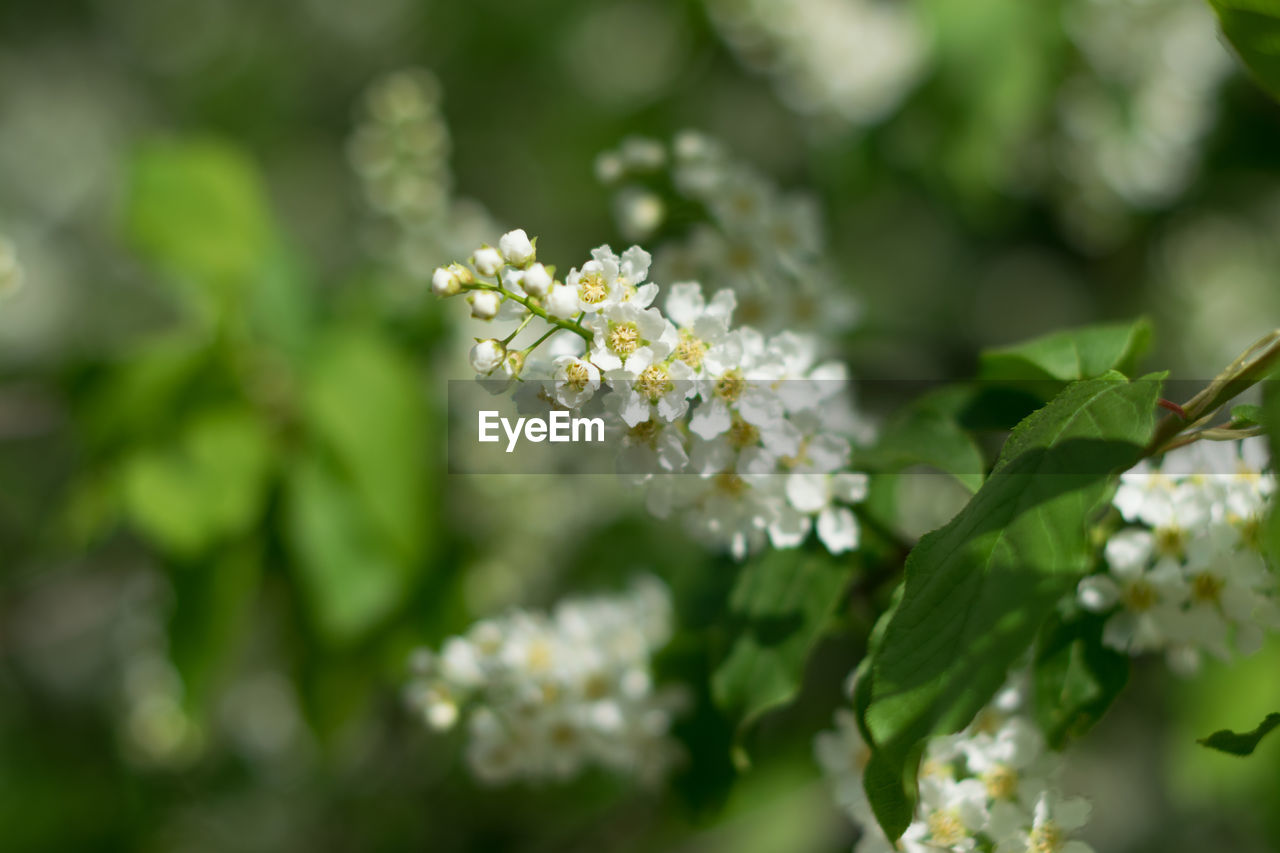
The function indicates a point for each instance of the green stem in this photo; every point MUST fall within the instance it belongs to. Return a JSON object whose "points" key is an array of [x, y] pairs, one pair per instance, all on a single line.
{"points": [[1250, 367], [537, 310]]}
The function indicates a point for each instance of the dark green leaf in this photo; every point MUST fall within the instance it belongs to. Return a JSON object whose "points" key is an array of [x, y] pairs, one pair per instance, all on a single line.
{"points": [[1271, 422], [1253, 28], [927, 432], [785, 600], [1235, 743], [1076, 676], [212, 605], [1069, 355], [977, 590]]}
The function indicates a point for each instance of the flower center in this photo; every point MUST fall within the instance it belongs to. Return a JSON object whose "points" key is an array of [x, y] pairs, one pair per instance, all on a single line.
{"points": [[645, 433], [1206, 588], [592, 288], [577, 376], [624, 338], [1001, 781], [730, 483], [743, 434], [539, 657], [654, 382], [729, 387], [690, 350], [1250, 531], [946, 829], [1046, 838], [1139, 596], [1171, 541]]}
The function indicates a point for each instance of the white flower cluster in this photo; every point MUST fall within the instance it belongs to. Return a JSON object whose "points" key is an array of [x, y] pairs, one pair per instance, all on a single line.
{"points": [[400, 152], [1132, 125], [990, 787], [849, 61], [744, 437], [10, 269], [765, 244], [547, 695], [1187, 574]]}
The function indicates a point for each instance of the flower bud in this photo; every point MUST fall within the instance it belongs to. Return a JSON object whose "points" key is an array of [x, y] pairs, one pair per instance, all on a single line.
{"points": [[445, 283], [516, 247], [562, 301], [487, 356], [537, 281], [488, 260], [484, 304]]}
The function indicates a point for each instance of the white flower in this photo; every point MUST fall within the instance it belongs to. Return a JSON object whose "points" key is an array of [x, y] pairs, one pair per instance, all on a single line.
{"points": [[1151, 594], [444, 282], [487, 356], [607, 279], [953, 813], [650, 447], [516, 247], [576, 381], [625, 331], [1051, 822], [487, 260], [548, 695], [484, 304], [814, 494], [843, 755], [650, 388], [537, 281], [562, 301]]}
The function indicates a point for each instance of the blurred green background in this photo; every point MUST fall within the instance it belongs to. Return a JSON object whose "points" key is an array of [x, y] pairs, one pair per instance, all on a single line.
{"points": [[224, 517]]}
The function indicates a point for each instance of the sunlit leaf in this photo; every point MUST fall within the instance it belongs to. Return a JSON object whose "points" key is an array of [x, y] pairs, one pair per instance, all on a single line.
{"points": [[209, 484], [1253, 28], [977, 590]]}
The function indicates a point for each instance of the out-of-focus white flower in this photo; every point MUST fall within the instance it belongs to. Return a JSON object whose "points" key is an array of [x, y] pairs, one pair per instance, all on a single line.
{"points": [[516, 247], [487, 356], [1189, 576], [992, 785], [852, 62], [1052, 820], [546, 696]]}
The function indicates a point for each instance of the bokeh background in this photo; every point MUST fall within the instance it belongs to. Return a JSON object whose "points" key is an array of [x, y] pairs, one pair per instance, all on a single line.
{"points": [[224, 517]]}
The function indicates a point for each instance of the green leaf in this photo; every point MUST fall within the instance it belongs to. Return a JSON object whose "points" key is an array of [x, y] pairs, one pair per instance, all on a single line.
{"points": [[785, 601], [1271, 422], [365, 406], [208, 485], [349, 575], [977, 590], [1076, 677], [197, 209], [927, 432], [212, 608], [1242, 744], [1070, 355], [1245, 416], [1253, 28]]}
